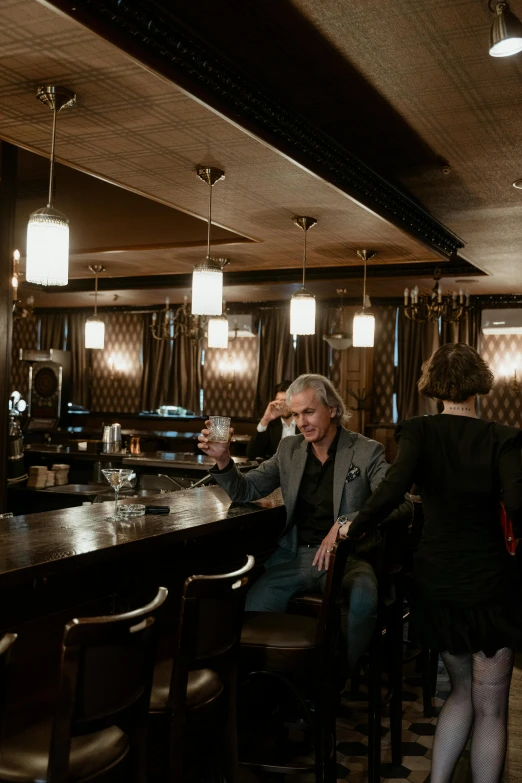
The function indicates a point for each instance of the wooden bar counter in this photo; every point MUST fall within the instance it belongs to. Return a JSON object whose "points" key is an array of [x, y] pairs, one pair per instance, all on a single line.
{"points": [[75, 555]]}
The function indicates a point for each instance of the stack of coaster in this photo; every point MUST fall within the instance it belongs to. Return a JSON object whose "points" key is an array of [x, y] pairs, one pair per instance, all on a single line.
{"points": [[61, 474], [37, 477]]}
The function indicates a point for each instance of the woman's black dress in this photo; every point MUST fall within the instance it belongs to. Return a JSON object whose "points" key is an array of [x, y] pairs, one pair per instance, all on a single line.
{"points": [[467, 585]]}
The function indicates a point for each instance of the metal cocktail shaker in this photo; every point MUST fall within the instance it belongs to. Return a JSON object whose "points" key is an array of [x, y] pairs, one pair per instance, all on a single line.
{"points": [[111, 439], [115, 437], [106, 440]]}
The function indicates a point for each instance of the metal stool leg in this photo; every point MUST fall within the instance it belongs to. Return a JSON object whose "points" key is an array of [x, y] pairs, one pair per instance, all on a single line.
{"points": [[374, 712], [396, 680], [427, 691]]}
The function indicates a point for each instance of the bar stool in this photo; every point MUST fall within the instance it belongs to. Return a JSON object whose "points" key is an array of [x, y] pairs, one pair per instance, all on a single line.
{"points": [[6, 644], [194, 693], [280, 646], [98, 731]]}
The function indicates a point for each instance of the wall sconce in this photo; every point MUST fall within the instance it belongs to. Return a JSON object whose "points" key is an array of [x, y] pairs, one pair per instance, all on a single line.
{"points": [[514, 385], [117, 368], [228, 369]]}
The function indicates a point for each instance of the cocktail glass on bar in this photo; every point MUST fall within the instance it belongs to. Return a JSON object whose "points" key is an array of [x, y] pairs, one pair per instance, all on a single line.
{"points": [[117, 477]]}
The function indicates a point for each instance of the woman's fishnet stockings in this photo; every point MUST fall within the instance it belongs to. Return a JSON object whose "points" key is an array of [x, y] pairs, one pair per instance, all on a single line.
{"points": [[455, 719], [490, 694], [479, 698]]}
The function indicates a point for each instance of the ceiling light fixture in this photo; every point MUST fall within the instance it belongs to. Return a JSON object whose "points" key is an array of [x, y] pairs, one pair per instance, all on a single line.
{"points": [[207, 278], [423, 307], [339, 340], [302, 304], [363, 322], [47, 255], [162, 329], [94, 326], [505, 37], [217, 331]]}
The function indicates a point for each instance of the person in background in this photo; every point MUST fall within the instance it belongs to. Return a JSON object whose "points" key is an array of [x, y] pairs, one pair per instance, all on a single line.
{"points": [[468, 592], [277, 423], [326, 473]]}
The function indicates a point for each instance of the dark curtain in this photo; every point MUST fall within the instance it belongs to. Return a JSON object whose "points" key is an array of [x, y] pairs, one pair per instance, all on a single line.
{"points": [[313, 353], [417, 342], [80, 360], [186, 374], [276, 354], [52, 331], [157, 359], [466, 330]]}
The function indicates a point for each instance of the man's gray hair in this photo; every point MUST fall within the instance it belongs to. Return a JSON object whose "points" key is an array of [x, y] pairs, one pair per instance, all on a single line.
{"points": [[325, 392]]}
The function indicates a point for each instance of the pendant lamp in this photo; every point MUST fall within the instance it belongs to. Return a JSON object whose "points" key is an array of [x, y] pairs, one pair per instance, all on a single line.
{"points": [[47, 255], [217, 332], [302, 304], [207, 277], [363, 322], [94, 326], [505, 37]]}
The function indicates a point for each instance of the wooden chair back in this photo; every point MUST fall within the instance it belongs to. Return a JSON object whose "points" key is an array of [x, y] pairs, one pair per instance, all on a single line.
{"points": [[105, 680]]}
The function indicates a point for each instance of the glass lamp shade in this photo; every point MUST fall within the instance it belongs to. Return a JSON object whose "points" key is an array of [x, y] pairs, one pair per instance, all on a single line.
{"points": [[339, 341], [94, 332], [302, 313], [506, 33], [207, 288], [363, 330], [218, 332], [47, 261]]}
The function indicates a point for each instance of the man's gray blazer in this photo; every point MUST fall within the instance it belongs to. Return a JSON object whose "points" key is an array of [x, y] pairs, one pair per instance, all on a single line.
{"points": [[285, 469]]}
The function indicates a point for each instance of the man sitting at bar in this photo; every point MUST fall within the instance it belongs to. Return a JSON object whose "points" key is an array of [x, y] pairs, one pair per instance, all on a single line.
{"points": [[326, 473], [277, 423]]}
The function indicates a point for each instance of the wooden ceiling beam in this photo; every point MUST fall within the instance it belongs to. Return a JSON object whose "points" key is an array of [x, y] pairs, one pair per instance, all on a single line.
{"points": [[456, 268]]}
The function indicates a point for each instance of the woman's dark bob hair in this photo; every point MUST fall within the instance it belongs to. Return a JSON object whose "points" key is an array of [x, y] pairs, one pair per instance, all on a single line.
{"points": [[455, 372]]}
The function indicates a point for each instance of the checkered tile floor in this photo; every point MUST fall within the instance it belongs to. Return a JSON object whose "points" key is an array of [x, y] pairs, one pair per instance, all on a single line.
{"points": [[417, 734]]}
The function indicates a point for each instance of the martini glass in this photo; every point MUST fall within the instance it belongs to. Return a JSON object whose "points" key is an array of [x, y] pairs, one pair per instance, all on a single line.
{"points": [[117, 477]]}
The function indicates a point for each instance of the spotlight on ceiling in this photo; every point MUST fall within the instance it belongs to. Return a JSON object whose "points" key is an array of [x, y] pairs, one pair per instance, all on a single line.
{"points": [[505, 37]]}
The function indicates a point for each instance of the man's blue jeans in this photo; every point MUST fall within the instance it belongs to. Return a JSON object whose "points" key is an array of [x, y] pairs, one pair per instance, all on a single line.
{"points": [[275, 588]]}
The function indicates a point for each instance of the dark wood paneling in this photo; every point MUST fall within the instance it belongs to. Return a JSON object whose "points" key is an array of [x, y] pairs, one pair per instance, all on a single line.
{"points": [[8, 165]]}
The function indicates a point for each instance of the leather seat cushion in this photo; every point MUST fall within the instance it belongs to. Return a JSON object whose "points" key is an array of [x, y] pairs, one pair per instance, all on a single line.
{"points": [[277, 641], [203, 686], [24, 754], [310, 604]]}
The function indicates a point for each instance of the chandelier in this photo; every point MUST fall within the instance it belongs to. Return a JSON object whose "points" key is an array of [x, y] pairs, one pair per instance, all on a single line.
{"points": [[302, 304], [168, 324], [423, 307], [47, 254]]}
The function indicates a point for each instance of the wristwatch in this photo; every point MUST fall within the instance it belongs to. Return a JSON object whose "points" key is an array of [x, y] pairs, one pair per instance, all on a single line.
{"points": [[343, 520]]}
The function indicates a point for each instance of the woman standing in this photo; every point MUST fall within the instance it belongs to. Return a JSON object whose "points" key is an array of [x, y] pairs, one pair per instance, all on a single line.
{"points": [[467, 586]]}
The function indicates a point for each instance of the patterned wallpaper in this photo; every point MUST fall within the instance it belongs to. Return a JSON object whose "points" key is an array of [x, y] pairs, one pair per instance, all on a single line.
{"points": [[503, 352], [116, 371], [230, 378], [25, 335], [383, 366]]}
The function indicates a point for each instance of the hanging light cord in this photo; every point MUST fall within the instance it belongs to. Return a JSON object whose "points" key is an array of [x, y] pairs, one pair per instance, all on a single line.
{"points": [[95, 293], [304, 258], [209, 217], [51, 172], [364, 281]]}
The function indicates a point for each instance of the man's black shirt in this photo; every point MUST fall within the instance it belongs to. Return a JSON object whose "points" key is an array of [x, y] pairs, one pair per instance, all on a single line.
{"points": [[314, 509]]}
